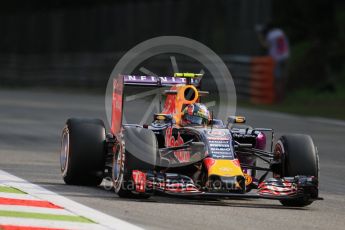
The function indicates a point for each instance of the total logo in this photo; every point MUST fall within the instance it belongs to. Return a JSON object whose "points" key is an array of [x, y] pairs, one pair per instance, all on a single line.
{"points": [[225, 169], [216, 133]]}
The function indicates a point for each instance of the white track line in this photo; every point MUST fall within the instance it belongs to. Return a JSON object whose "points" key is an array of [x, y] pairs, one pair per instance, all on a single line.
{"points": [[49, 223], [76, 208], [18, 208]]}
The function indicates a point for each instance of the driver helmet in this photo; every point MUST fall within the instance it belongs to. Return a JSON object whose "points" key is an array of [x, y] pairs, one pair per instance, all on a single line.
{"points": [[195, 114]]}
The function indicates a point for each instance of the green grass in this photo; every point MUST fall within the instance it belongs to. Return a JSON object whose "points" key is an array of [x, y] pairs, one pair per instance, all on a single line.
{"points": [[6, 189], [309, 102], [44, 216]]}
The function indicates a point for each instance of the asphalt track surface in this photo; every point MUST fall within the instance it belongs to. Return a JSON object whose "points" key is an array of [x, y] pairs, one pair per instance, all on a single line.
{"points": [[30, 126]]}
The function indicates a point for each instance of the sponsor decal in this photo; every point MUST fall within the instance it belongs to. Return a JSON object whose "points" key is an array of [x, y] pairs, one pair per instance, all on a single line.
{"points": [[153, 80], [218, 138], [225, 169], [139, 179], [116, 118], [170, 141], [217, 141], [216, 133], [170, 103], [220, 147], [182, 156], [217, 152], [248, 178], [236, 162]]}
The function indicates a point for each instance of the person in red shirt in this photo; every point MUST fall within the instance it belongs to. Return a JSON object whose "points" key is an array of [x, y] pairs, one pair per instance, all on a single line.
{"points": [[276, 42]]}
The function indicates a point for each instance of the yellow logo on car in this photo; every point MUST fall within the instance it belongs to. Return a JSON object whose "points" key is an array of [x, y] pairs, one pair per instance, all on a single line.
{"points": [[248, 178], [160, 117]]}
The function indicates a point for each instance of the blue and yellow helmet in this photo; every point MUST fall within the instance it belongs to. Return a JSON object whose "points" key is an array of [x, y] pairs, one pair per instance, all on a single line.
{"points": [[195, 114]]}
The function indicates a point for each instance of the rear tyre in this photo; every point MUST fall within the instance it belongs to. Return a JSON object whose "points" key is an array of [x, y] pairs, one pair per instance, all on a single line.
{"points": [[138, 152], [299, 157], [82, 155]]}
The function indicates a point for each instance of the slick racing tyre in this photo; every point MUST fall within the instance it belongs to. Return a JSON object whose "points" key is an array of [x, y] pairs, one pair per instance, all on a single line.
{"points": [[299, 157], [138, 152], [82, 155]]}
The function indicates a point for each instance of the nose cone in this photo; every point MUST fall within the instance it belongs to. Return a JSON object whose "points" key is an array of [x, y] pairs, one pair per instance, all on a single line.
{"points": [[220, 167], [224, 175]]}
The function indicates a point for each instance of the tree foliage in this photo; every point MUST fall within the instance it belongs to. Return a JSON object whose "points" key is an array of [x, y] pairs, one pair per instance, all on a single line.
{"points": [[316, 32]]}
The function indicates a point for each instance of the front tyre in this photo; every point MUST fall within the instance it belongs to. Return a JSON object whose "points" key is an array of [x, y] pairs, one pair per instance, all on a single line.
{"points": [[138, 151], [82, 155], [299, 157]]}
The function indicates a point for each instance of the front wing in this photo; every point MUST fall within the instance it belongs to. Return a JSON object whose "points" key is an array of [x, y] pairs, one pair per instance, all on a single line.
{"points": [[182, 186]]}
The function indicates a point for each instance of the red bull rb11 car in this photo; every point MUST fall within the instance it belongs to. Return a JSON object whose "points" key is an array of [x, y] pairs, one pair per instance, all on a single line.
{"points": [[185, 151]]}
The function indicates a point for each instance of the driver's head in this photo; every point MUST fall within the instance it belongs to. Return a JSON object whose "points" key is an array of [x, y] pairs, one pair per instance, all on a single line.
{"points": [[195, 114]]}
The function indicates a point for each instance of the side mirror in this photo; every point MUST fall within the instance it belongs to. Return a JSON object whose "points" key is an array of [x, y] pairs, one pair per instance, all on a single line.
{"points": [[236, 119], [167, 118]]}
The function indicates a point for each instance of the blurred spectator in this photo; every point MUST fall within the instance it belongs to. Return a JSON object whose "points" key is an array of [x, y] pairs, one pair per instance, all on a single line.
{"points": [[275, 41]]}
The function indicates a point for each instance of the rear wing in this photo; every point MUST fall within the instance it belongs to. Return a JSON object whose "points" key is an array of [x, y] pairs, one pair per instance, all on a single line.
{"points": [[189, 80]]}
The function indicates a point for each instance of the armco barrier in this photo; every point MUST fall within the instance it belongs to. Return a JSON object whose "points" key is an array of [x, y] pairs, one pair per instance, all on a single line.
{"points": [[253, 76], [262, 80]]}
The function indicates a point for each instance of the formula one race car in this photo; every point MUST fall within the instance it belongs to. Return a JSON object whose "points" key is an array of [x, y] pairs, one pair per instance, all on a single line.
{"points": [[185, 151]]}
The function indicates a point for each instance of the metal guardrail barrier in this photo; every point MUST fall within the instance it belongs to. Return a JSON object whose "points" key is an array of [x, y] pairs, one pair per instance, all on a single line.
{"points": [[253, 76], [262, 80]]}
